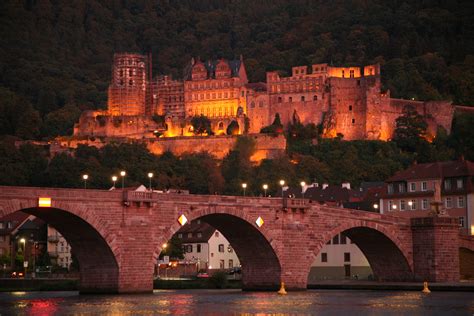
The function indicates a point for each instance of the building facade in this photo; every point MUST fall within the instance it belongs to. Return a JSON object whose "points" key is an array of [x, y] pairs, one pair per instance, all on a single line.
{"points": [[207, 247], [347, 101], [411, 192], [58, 249]]}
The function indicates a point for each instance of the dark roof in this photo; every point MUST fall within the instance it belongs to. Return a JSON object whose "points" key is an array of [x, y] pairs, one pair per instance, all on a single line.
{"points": [[194, 228], [332, 193], [435, 170], [15, 218]]}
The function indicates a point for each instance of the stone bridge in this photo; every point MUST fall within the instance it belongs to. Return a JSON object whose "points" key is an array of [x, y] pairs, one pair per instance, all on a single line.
{"points": [[117, 235]]}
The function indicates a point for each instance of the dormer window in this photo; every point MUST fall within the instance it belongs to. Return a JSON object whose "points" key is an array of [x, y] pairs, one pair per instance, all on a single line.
{"points": [[390, 188], [459, 183], [447, 184], [412, 186]]}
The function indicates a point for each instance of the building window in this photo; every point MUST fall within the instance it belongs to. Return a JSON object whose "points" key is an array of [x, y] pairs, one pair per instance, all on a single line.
{"points": [[413, 205], [324, 257], [302, 98], [350, 108], [449, 202], [221, 247], [1, 225], [199, 235], [461, 201], [390, 188], [216, 234], [252, 105], [343, 239], [424, 204], [315, 98], [447, 184], [402, 205], [243, 93], [279, 99], [9, 224], [390, 205], [353, 121], [412, 186], [221, 264], [424, 186], [459, 183], [347, 257], [231, 263], [351, 73], [290, 99], [461, 221], [401, 187], [343, 74]]}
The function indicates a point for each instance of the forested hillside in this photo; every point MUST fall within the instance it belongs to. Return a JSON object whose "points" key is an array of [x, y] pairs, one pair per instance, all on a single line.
{"points": [[55, 56]]}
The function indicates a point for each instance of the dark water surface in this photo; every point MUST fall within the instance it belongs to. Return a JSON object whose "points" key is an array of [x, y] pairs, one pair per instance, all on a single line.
{"points": [[236, 302]]}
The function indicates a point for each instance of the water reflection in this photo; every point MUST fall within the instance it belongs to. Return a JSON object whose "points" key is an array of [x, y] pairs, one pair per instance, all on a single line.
{"points": [[235, 302]]}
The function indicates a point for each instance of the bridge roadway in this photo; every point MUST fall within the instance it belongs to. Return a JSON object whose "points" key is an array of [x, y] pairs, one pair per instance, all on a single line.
{"points": [[117, 236]]}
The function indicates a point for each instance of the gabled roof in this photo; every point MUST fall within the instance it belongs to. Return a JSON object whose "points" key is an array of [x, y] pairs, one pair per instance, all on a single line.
{"points": [[435, 170], [194, 228], [211, 65], [257, 86], [16, 219]]}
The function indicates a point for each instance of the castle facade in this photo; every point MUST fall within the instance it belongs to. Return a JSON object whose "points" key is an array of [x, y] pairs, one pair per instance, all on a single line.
{"points": [[347, 101]]}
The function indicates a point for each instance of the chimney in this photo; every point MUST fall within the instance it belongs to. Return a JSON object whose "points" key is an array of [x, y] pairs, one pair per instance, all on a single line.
{"points": [[346, 185], [325, 185]]}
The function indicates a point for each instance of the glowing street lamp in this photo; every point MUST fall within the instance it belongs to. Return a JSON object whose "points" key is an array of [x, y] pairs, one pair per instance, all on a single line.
{"points": [[244, 186], [303, 184], [394, 207], [122, 174], [265, 188], [282, 183], [114, 179], [85, 177], [375, 206], [150, 175]]}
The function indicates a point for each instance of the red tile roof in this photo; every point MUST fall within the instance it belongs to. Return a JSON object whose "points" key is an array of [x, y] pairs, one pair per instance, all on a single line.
{"points": [[194, 228], [435, 170]]}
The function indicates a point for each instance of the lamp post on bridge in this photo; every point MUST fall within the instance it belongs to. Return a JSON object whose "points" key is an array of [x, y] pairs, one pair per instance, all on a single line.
{"points": [[114, 179], [303, 184], [244, 186], [282, 183], [265, 188], [150, 176], [122, 174], [85, 177]]}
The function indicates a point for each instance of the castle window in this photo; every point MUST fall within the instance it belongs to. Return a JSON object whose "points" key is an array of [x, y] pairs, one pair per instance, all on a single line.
{"points": [[130, 82], [343, 74], [353, 121], [296, 71], [350, 107], [121, 82], [121, 72], [315, 98], [279, 99], [221, 126], [351, 73], [243, 93], [290, 99], [358, 82], [130, 72], [302, 98]]}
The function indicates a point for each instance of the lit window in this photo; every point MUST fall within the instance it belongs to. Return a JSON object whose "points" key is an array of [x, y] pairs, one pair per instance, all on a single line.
{"points": [[461, 201]]}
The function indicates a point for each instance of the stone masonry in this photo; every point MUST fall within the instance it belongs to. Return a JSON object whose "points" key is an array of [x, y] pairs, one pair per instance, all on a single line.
{"points": [[117, 236]]}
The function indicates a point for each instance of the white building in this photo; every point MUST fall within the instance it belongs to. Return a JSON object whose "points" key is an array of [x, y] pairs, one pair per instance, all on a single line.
{"points": [[206, 246], [58, 249], [340, 259]]}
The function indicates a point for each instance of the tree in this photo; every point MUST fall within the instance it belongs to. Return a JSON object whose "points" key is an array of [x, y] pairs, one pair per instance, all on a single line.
{"points": [[411, 129], [275, 128], [201, 124], [174, 249], [233, 128]]}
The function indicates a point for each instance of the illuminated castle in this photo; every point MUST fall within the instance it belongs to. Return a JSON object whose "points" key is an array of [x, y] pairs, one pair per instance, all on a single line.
{"points": [[347, 101]]}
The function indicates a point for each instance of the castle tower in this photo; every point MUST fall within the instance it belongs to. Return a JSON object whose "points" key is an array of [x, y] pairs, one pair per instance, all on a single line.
{"points": [[127, 91]]}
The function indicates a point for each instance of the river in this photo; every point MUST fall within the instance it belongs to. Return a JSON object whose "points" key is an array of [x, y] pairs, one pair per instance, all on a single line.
{"points": [[236, 302]]}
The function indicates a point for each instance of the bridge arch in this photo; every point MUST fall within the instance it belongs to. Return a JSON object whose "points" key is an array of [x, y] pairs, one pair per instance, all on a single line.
{"points": [[389, 257], [89, 237], [466, 258], [255, 246]]}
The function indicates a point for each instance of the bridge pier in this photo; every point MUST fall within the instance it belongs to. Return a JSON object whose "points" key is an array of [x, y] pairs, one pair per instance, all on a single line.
{"points": [[435, 249]]}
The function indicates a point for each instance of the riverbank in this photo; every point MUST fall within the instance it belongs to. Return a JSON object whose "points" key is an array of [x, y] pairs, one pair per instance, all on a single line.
{"points": [[39, 284], [467, 286]]}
